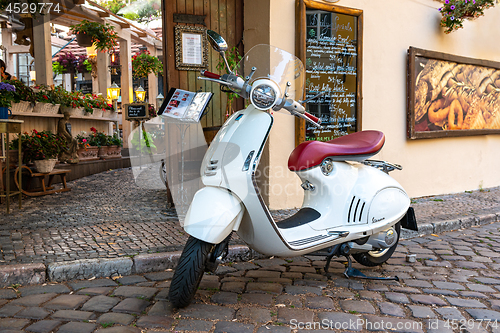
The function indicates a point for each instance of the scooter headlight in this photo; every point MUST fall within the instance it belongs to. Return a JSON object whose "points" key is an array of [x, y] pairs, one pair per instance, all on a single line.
{"points": [[264, 94]]}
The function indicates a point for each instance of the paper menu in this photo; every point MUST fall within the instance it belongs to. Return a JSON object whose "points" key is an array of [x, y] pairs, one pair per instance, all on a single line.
{"points": [[185, 105]]}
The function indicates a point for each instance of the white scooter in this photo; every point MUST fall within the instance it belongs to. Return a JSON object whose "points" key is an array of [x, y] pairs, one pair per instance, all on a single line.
{"points": [[351, 205]]}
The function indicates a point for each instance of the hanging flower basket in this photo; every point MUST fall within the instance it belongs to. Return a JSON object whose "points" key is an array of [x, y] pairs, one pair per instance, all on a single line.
{"points": [[102, 36], [454, 12], [84, 40]]}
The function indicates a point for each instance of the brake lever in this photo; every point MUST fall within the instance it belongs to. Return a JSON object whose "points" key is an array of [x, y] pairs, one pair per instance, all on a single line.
{"points": [[311, 98], [300, 115]]}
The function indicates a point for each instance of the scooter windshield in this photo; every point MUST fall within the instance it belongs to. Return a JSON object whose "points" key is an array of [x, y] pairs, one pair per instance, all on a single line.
{"points": [[276, 64]]}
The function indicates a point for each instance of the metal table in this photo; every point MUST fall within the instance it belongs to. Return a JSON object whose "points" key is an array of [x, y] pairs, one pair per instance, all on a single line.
{"points": [[10, 126]]}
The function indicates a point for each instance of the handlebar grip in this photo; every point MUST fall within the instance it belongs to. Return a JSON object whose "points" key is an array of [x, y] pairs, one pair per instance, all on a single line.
{"points": [[313, 118], [210, 75]]}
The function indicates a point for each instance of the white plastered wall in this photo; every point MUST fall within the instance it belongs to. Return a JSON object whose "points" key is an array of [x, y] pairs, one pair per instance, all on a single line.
{"points": [[430, 166]]}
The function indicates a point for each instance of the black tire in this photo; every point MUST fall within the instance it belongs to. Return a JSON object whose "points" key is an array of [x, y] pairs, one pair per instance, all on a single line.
{"points": [[163, 173], [376, 258], [189, 272]]}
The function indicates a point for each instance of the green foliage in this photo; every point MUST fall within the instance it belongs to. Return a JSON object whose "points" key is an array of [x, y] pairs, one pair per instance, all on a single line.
{"points": [[103, 36], [233, 59], [454, 12], [41, 145], [143, 142], [6, 94], [143, 63]]}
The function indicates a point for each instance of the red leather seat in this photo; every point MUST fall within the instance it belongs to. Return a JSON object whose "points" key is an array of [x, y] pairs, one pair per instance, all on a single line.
{"points": [[355, 146]]}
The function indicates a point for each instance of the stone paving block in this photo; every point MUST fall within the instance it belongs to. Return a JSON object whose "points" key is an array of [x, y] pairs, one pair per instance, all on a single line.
{"points": [[253, 314], [357, 306], [139, 292], [23, 274], [289, 315], [224, 298], [119, 329], [33, 300], [100, 304], [419, 311], [35, 313], [276, 280], [469, 265], [303, 269], [209, 282], [12, 324], [7, 294], [161, 308], [375, 323], [474, 294], [95, 291], [115, 318], [221, 270], [465, 303], [10, 310], [207, 311], [437, 326], [480, 287], [235, 287], [67, 315], [274, 329], [259, 299], [319, 302], [233, 327], [76, 327], [300, 290], [439, 292], [428, 300], [487, 280], [44, 289], [391, 309], [370, 295], [131, 279], [262, 274], [159, 276], [194, 325], [89, 268], [311, 283], [417, 283], [397, 297], [450, 313], [131, 305], [292, 275], [66, 302], [155, 322], [263, 287], [96, 283], [339, 321], [243, 266], [43, 326], [484, 314]]}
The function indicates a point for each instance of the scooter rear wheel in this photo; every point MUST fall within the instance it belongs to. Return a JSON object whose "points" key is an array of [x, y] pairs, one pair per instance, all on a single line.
{"points": [[376, 258], [189, 272]]}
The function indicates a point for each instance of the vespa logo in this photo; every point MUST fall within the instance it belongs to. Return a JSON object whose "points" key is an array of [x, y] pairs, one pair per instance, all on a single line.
{"points": [[374, 220]]}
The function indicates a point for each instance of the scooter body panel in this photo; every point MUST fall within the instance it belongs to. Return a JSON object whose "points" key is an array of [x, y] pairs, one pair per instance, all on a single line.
{"points": [[213, 214]]}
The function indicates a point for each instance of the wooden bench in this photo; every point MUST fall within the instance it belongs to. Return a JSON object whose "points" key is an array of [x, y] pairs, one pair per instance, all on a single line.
{"points": [[45, 189]]}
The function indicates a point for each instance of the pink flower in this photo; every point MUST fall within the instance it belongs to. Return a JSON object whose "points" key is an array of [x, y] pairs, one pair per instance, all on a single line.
{"points": [[84, 140]]}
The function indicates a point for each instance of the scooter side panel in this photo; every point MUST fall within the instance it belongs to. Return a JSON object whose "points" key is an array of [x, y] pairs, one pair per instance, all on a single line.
{"points": [[213, 214]]}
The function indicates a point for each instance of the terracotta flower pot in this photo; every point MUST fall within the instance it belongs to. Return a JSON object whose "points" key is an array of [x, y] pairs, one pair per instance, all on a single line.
{"points": [[114, 152], [103, 152], [89, 154]]}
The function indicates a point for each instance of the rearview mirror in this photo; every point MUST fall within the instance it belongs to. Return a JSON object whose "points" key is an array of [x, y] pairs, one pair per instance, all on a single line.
{"points": [[217, 42]]}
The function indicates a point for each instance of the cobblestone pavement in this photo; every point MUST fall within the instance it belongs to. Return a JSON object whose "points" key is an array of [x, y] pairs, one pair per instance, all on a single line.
{"points": [[107, 215], [455, 283]]}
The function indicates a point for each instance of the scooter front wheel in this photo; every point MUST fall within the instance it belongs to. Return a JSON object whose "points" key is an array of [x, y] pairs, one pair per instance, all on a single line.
{"points": [[189, 272], [375, 258]]}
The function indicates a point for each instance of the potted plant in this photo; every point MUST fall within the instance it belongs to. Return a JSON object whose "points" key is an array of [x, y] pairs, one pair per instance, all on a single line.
{"points": [[85, 151], [42, 148], [115, 146], [6, 96], [454, 12], [143, 64], [98, 103], [23, 97], [73, 103], [102, 36], [83, 66], [47, 100], [233, 59]]}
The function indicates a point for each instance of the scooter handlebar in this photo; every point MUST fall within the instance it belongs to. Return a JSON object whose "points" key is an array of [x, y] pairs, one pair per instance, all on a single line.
{"points": [[210, 75]]}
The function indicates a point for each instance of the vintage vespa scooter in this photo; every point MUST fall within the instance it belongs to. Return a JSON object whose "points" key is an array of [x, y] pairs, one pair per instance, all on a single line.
{"points": [[351, 205]]}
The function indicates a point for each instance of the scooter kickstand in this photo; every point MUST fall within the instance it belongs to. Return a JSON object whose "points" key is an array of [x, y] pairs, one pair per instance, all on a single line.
{"points": [[351, 272]]}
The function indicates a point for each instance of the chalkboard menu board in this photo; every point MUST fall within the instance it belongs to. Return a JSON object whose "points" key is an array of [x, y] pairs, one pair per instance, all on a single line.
{"points": [[137, 111], [332, 62]]}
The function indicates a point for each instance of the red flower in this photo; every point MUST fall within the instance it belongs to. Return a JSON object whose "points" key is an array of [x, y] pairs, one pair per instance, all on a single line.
{"points": [[35, 131], [44, 96]]}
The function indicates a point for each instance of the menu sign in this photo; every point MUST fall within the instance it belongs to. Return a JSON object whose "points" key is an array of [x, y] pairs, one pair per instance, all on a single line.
{"points": [[137, 111], [331, 66]]}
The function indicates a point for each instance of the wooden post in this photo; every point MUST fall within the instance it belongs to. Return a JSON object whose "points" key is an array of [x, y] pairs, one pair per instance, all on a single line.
{"points": [[126, 81], [42, 48], [153, 81], [104, 76], [9, 57]]}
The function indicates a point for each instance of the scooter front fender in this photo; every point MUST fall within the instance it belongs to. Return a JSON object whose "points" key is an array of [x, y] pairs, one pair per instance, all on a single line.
{"points": [[213, 214]]}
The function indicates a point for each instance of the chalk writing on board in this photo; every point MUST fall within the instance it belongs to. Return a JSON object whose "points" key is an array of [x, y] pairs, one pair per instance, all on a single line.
{"points": [[331, 66]]}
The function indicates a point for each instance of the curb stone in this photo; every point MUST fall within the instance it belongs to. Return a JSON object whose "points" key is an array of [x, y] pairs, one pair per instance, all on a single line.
{"points": [[27, 274]]}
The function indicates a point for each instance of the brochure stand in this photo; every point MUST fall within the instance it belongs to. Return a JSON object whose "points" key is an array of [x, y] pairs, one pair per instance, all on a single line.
{"points": [[182, 111]]}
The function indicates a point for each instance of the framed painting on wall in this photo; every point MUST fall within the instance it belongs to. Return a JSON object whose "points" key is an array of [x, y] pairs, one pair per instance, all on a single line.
{"points": [[451, 96]]}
